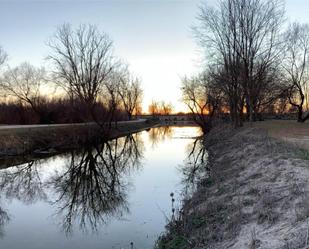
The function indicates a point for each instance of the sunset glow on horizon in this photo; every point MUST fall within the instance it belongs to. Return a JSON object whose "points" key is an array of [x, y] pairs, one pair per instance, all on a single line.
{"points": [[154, 37]]}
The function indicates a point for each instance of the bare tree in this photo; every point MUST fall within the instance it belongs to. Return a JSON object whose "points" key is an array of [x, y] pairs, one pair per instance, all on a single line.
{"points": [[165, 108], [259, 46], [112, 97], [160, 108], [202, 98], [154, 108], [24, 83], [83, 60], [131, 93], [296, 67], [215, 34], [241, 40]]}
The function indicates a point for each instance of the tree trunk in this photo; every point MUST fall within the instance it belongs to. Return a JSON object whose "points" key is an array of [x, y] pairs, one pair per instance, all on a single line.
{"points": [[306, 117], [251, 114], [300, 115]]}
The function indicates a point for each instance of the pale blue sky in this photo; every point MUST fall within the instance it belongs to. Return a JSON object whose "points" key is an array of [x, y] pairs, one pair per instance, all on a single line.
{"points": [[154, 37]]}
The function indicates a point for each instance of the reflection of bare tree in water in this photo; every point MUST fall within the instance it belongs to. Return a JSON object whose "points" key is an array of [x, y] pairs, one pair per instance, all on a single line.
{"points": [[159, 134], [195, 165], [23, 183], [4, 219], [93, 187]]}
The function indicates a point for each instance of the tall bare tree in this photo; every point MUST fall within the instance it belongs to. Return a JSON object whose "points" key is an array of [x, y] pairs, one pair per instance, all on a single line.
{"points": [[160, 108], [241, 38], [166, 108], [131, 93], [83, 60], [154, 108], [24, 83], [202, 98], [296, 67], [111, 96]]}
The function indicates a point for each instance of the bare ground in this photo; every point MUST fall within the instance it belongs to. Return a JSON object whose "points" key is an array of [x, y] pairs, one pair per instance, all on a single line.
{"points": [[256, 197]]}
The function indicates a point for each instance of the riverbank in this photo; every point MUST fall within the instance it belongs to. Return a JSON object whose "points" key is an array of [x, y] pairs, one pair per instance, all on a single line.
{"points": [[256, 196], [52, 139]]}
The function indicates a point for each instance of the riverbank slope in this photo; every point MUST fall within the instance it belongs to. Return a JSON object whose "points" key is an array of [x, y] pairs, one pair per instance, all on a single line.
{"points": [[256, 196]]}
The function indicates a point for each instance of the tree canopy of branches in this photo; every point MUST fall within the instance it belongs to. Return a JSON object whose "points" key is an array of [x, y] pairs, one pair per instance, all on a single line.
{"points": [[241, 40], [296, 67], [24, 84], [165, 108], [202, 99], [131, 93], [160, 108], [83, 60], [153, 108]]}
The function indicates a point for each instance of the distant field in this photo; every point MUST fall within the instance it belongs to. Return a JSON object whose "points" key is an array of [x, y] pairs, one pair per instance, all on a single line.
{"points": [[288, 130]]}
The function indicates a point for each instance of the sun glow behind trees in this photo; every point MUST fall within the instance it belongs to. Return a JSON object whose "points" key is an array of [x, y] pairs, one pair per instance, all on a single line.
{"points": [[160, 55], [253, 63]]}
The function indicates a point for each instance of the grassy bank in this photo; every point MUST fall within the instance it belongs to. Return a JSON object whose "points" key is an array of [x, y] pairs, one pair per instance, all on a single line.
{"points": [[257, 196], [287, 130], [54, 139]]}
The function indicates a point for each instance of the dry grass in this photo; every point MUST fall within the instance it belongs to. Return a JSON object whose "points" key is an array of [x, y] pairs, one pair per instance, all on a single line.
{"points": [[254, 186], [24, 141], [287, 130]]}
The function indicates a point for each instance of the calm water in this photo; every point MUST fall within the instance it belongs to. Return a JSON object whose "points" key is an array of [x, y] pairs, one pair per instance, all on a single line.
{"points": [[100, 197]]}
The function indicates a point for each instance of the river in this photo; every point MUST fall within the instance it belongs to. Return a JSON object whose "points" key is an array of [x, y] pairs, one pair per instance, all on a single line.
{"points": [[115, 195]]}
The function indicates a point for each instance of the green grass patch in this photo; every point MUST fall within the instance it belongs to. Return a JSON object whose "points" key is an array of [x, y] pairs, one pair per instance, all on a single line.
{"points": [[208, 182], [173, 241], [198, 221], [302, 154]]}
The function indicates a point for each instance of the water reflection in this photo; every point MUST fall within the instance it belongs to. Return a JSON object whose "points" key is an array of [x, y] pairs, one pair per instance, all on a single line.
{"points": [[4, 219], [93, 185], [23, 183], [193, 168], [160, 134], [88, 189], [101, 189]]}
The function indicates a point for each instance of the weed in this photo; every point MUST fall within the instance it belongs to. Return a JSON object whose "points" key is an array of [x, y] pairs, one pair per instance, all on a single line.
{"points": [[302, 154], [172, 241]]}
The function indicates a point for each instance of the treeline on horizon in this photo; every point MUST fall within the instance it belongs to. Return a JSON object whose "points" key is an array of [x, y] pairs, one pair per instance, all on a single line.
{"points": [[255, 63], [86, 82]]}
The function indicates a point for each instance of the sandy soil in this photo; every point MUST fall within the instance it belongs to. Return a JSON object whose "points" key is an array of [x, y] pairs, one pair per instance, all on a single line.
{"points": [[257, 195]]}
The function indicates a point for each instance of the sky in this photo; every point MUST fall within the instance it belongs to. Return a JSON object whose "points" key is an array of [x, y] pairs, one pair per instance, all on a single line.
{"points": [[153, 36]]}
